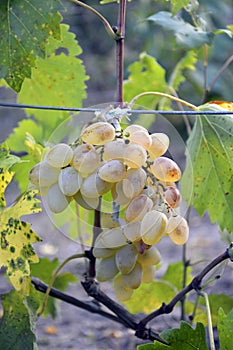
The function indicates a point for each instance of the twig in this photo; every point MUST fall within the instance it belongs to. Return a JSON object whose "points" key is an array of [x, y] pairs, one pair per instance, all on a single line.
{"points": [[221, 70]]}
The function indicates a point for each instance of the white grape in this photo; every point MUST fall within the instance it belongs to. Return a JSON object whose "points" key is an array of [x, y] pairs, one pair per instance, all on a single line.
{"points": [[132, 231], [86, 159], [113, 238], [106, 269], [69, 181], [122, 292], [150, 257], [114, 150], [134, 182], [43, 174], [159, 145], [141, 138], [118, 194], [103, 252], [134, 278], [148, 273], [172, 196], [153, 226], [57, 201], [135, 156], [59, 155], [93, 186], [85, 202], [130, 129], [165, 169], [178, 229], [98, 133], [138, 207], [126, 258], [112, 171]]}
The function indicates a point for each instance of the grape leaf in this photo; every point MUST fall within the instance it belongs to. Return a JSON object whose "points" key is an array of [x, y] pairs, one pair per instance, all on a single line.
{"points": [[57, 80], [7, 159], [17, 325], [150, 296], [177, 5], [186, 62], [183, 338], [16, 250], [187, 36], [225, 329], [26, 25], [44, 270], [210, 165], [176, 269], [145, 75]]}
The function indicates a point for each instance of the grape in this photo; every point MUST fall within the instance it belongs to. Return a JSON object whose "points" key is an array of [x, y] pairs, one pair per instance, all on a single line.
{"points": [[122, 292], [112, 171], [43, 174], [93, 186], [113, 238], [134, 182], [130, 129], [150, 257], [114, 150], [57, 201], [108, 221], [118, 195], [172, 196], [178, 230], [85, 202], [160, 144], [106, 269], [101, 252], [98, 133], [165, 169], [59, 155], [141, 138], [153, 226], [148, 273], [126, 258], [135, 156], [134, 278], [132, 231], [69, 181], [138, 207], [86, 159]]}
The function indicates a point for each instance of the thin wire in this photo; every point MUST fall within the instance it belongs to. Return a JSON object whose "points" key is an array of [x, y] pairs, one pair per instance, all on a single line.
{"points": [[131, 111]]}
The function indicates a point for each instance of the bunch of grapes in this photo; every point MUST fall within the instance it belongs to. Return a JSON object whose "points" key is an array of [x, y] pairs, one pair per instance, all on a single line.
{"points": [[130, 164]]}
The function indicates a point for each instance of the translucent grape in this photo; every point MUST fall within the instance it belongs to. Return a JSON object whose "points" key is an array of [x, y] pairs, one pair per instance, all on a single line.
{"points": [[150, 257], [106, 269], [134, 278], [44, 175], [113, 238], [165, 169], [122, 292], [130, 129], [69, 181], [86, 159], [153, 226], [141, 138], [148, 273], [178, 229], [132, 231], [98, 133], [59, 155], [138, 207], [134, 182], [114, 150], [57, 201], [135, 156], [93, 186], [85, 202], [112, 171], [118, 194], [159, 145], [126, 258], [172, 196]]}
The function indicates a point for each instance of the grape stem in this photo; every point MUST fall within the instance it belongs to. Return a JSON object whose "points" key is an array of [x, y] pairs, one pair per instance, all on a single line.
{"points": [[119, 313], [162, 94]]}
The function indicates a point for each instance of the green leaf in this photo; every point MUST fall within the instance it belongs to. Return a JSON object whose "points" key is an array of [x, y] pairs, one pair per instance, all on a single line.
{"points": [[210, 165], [174, 275], [16, 238], [150, 296], [187, 62], [177, 5], [145, 75], [27, 26], [225, 329], [57, 80], [44, 270], [183, 338], [17, 325], [7, 159], [187, 36]]}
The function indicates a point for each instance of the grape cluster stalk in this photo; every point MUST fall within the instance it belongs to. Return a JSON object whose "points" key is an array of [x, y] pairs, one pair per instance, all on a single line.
{"points": [[129, 165]]}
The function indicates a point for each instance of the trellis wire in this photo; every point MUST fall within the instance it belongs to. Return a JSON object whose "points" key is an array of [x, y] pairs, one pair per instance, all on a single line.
{"points": [[132, 111]]}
